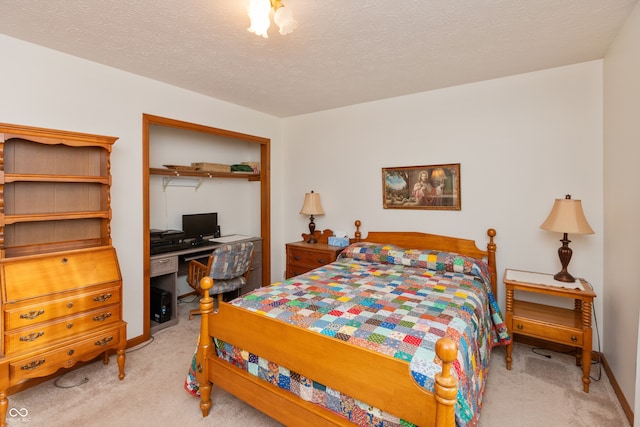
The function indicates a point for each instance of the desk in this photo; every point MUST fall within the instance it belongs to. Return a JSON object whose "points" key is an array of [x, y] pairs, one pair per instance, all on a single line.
{"points": [[165, 268]]}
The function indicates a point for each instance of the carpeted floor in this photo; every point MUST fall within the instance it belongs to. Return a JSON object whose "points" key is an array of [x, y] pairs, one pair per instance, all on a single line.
{"points": [[538, 391]]}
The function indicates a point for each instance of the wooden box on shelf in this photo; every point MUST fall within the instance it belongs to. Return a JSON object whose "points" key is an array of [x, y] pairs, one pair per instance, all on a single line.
{"points": [[60, 280]]}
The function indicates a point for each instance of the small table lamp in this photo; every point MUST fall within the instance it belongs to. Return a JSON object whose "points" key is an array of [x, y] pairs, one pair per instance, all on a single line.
{"points": [[312, 206], [566, 216]]}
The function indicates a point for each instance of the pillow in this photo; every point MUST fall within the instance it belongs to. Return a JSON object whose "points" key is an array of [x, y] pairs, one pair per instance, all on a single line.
{"points": [[367, 251], [429, 259]]}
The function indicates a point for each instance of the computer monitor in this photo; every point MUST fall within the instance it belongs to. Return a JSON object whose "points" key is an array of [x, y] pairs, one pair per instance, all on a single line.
{"points": [[199, 226]]}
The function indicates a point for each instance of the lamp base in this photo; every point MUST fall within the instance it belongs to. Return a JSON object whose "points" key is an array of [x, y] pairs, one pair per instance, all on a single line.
{"points": [[564, 276], [312, 229]]}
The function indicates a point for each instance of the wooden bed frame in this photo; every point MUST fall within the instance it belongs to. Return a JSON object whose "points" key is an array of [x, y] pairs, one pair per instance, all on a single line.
{"points": [[357, 372]]}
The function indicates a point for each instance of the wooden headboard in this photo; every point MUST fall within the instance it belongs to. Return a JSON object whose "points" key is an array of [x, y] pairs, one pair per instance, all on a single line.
{"points": [[417, 240]]}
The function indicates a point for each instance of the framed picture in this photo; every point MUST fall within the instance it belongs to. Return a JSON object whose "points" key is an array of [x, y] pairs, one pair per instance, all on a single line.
{"points": [[422, 187]]}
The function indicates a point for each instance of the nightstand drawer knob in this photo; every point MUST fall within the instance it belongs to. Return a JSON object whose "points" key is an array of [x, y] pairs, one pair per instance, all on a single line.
{"points": [[520, 327], [297, 257], [574, 338], [321, 261]]}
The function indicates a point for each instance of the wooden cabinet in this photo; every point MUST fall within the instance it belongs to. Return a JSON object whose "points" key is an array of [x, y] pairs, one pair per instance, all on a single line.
{"points": [[61, 287], [566, 326], [303, 256]]}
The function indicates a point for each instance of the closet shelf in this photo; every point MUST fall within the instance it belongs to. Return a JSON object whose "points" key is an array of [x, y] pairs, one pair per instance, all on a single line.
{"points": [[203, 174]]}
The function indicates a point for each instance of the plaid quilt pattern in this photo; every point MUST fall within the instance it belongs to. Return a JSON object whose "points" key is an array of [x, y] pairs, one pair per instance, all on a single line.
{"points": [[390, 308]]}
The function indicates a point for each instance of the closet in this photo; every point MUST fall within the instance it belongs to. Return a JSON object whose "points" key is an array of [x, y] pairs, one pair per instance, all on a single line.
{"points": [[160, 178]]}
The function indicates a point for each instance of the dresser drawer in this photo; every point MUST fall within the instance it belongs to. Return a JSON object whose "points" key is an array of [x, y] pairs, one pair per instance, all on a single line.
{"points": [[25, 339], [65, 356], [563, 335], [33, 276], [32, 314], [309, 259], [163, 265]]}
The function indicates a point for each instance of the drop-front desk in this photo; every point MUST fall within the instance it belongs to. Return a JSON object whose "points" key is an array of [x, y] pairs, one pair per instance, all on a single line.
{"points": [[166, 267]]}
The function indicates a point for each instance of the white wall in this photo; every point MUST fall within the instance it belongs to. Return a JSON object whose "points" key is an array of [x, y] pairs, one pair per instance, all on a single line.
{"points": [[522, 141], [622, 205], [44, 88]]}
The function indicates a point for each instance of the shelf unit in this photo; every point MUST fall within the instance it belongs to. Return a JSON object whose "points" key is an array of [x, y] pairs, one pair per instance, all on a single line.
{"points": [[60, 280], [56, 191]]}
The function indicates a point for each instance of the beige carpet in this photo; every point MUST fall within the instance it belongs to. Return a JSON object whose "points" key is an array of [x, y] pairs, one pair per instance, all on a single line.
{"points": [[536, 392]]}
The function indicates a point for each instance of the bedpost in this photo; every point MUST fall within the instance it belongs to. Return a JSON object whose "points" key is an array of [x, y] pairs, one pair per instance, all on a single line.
{"points": [[491, 249], [445, 388], [358, 234], [204, 346]]}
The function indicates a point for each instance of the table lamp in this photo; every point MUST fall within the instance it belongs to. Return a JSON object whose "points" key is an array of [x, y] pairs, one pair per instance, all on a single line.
{"points": [[312, 206], [566, 217]]}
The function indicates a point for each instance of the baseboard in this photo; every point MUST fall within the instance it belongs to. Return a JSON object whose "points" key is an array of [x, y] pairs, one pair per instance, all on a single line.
{"points": [[595, 356]]}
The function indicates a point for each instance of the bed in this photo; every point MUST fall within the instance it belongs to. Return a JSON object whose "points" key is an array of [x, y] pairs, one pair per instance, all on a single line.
{"points": [[301, 352]]}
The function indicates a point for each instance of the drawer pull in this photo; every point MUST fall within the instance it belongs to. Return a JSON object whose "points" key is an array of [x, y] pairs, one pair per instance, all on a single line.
{"points": [[69, 325], [104, 341], [102, 317], [65, 260], [520, 327], [321, 261], [297, 257], [32, 336], [70, 352], [574, 338], [33, 365], [69, 304], [32, 314], [163, 261], [102, 298]]}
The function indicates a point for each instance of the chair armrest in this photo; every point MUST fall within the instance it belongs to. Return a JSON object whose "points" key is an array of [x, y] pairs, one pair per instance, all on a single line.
{"points": [[197, 271]]}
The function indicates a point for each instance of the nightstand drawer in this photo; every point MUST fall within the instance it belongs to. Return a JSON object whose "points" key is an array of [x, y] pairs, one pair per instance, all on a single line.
{"points": [[309, 259], [572, 337]]}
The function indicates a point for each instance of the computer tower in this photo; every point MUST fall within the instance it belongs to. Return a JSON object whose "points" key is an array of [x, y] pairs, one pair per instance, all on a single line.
{"points": [[160, 305]]}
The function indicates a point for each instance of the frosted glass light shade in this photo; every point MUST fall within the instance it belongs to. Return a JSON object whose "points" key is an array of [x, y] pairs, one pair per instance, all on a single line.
{"points": [[259, 15], [284, 20]]}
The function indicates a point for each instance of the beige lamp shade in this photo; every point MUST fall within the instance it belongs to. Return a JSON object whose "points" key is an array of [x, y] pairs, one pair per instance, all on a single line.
{"points": [[312, 204], [567, 216]]}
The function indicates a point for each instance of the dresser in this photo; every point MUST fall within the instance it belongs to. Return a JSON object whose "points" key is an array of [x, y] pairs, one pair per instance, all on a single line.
{"points": [[60, 280], [303, 256]]}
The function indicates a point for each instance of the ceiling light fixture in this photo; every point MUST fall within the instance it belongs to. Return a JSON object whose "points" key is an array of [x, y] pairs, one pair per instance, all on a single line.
{"points": [[259, 11]]}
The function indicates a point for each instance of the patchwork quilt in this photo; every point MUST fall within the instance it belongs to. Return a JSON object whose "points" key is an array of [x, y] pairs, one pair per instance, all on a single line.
{"points": [[395, 301]]}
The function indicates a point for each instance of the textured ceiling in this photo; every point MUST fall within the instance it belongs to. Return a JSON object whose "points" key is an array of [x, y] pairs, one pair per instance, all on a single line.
{"points": [[342, 53]]}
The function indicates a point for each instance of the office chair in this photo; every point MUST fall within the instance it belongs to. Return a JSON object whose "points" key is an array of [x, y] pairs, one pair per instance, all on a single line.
{"points": [[228, 265]]}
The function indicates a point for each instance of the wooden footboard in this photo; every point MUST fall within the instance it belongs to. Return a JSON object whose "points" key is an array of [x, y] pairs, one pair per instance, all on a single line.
{"points": [[357, 372]]}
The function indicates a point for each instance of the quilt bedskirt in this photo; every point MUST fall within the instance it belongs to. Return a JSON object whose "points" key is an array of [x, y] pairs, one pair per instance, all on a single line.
{"points": [[394, 301]]}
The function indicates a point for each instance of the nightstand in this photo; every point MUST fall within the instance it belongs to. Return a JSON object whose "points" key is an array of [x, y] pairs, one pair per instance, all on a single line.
{"points": [[303, 256], [561, 325]]}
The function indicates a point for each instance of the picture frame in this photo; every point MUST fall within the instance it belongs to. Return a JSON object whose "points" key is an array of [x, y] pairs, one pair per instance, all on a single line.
{"points": [[432, 187]]}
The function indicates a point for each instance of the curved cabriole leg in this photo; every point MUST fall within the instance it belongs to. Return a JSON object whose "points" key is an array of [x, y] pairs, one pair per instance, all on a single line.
{"points": [[204, 347], [121, 359], [446, 388]]}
